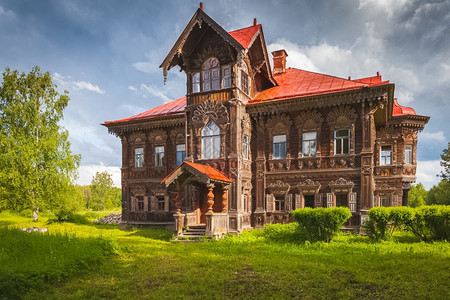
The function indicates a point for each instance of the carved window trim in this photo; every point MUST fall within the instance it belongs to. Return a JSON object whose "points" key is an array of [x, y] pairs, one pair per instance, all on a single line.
{"points": [[340, 118], [387, 136], [213, 138], [218, 77], [386, 155], [309, 121], [385, 190], [158, 138], [279, 124]]}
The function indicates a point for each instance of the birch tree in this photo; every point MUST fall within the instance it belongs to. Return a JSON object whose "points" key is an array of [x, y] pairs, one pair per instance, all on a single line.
{"points": [[36, 163]]}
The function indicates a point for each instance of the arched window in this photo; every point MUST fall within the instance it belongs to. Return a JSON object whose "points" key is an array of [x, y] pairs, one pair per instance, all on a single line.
{"points": [[211, 74], [211, 141]]}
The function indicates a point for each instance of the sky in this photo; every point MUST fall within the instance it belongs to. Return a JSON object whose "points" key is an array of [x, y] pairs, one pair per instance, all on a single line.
{"points": [[107, 53]]}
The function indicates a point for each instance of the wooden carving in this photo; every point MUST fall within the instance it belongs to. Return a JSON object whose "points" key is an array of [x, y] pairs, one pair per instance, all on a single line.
{"points": [[210, 110]]}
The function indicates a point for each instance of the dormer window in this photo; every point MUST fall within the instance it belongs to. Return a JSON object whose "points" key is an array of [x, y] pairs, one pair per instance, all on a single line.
{"points": [[211, 74]]}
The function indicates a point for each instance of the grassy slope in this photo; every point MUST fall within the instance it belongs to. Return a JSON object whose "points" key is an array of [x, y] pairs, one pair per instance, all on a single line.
{"points": [[149, 266]]}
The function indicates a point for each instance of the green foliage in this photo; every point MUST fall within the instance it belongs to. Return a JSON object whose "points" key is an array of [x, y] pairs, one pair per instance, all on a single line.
{"points": [[36, 163], [445, 156], [65, 215], [26, 213], [283, 233], [321, 224], [417, 195], [439, 194], [103, 194], [427, 223], [29, 260]]}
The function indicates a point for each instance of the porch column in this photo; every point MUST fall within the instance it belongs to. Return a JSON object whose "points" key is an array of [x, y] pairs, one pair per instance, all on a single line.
{"points": [[178, 216], [210, 197], [225, 199], [178, 202]]}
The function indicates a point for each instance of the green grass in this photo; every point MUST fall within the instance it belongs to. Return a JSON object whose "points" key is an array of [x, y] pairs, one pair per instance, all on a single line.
{"points": [[255, 265]]}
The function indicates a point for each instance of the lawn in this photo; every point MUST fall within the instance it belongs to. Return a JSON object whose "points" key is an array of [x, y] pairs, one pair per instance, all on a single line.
{"points": [[147, 265]]}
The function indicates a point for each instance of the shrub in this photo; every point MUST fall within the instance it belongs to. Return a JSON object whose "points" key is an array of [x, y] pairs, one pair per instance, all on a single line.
{"points": [[26, 213], [431, 223], [321, 224], [283, 233], [65, 215]]}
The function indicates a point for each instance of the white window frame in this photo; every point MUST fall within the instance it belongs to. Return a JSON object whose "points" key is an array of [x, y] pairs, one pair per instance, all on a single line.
{"points": [[308, 141], [213, 139], [408, 154], [196, 83], [139, 157], [278, 140], [385, 155], [245, 147], [340, 140], [159, 156], [226, 77]]}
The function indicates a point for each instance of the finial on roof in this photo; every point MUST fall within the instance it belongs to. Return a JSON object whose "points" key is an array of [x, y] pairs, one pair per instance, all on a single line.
{"points": [[349, 77], [378, 73], [201, 5], [254, 22]]}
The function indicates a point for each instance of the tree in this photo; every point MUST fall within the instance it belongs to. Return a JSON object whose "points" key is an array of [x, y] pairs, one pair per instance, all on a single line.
{"points": [[36, 163], [101, 191], [439, 194], [445, 156], [417, 195]]}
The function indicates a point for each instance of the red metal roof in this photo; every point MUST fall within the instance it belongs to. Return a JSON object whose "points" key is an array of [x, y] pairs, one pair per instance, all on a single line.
{"points": [[209, 171], [299, 83], [245, 35], [399, 110], [172, 108]]}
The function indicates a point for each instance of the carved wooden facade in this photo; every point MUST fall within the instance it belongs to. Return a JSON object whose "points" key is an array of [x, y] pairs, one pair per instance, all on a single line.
{"points": [[353, 146]]}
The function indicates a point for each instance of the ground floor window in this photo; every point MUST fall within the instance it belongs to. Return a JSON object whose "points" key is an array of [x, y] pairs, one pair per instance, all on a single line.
{"points": [[341, 200], [385, 201], [140, 202], [279, 203], [309, 200], [161, 202]]}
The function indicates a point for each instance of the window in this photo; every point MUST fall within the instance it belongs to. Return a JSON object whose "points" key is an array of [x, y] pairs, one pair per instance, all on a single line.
{"points": [[196, 83], [342, 141], [159, 155], [211, 141], [138, 157], [140, 202], [245, 146], [385, 201], [341, 200], [211, 74], [408, 154], [181, 153], [279, 203], [226, 77], [309, 200], [244, 82], [309, 143], [279, 146], [385, 155], [161, 202]]}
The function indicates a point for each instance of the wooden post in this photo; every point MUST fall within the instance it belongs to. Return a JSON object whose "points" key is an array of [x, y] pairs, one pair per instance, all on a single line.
{"points": [[178, 202], [210, 197], [225, 199]]}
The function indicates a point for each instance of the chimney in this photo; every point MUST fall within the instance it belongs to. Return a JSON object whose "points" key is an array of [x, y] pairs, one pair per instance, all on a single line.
{"points": [[254, 22], [279, 61]]}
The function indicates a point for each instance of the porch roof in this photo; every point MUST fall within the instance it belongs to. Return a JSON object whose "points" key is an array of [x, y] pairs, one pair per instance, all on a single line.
{"points": [[204, 171]]}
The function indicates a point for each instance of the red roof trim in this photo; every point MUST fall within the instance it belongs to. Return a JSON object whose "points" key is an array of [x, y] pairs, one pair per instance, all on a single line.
{"points": [[245, 35], [209, 171], [399, 110]]}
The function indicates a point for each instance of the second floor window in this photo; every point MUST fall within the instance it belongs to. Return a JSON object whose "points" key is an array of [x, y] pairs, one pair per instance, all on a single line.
{"points": [[211, 74], [342, 141], [181, 153], [408, 154], [279, 146], [386, 155], [138, 157], [309, 143], [159, 155], [211, 141], [196, 83], [245, 147]]}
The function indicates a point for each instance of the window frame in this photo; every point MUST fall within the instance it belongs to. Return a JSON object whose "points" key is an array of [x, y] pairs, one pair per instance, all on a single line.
{"points": [[160, 203], [140, 206], [343, 195], [309, 143], [384, 156], [275, 144], [409, 154], [246, 147], [214, 138], [183, 156], [341, 141], [384, 198], [279, 203], [139, 157], [159, 159], [213, 78]]}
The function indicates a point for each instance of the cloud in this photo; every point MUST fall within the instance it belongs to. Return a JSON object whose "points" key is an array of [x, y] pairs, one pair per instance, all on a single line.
{"points": [[151, 65], [6, 14], [67, 83], [132, 88], [296, 56], [390, 7], [427, 172], [432, 136], [85, 174], [148, 90]]}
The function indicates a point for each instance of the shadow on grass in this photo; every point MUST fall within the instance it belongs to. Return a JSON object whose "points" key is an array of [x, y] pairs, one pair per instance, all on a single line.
{"points": [[5, 223], [154, 233]]}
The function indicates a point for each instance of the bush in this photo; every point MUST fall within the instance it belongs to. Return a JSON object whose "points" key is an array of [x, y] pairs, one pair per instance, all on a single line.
{"points": [[26, 213], [321, 224], [65, 215], [427, 223], [283, 233]]}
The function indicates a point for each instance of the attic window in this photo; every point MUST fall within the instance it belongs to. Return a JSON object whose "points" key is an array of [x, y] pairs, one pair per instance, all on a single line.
{"points": [[211, 74]]}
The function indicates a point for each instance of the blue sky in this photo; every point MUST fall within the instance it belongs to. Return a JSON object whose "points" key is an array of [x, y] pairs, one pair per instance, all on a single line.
{"points": [[107, 53]]}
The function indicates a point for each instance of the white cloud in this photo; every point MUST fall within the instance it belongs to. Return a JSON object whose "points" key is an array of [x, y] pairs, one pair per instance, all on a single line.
{"points": [[69, 84], [153, 91], [296, 56], [87, 172], [132, 88], [432, 136], [7, 14], [151, 65], [390, 7], [427, 172]]}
